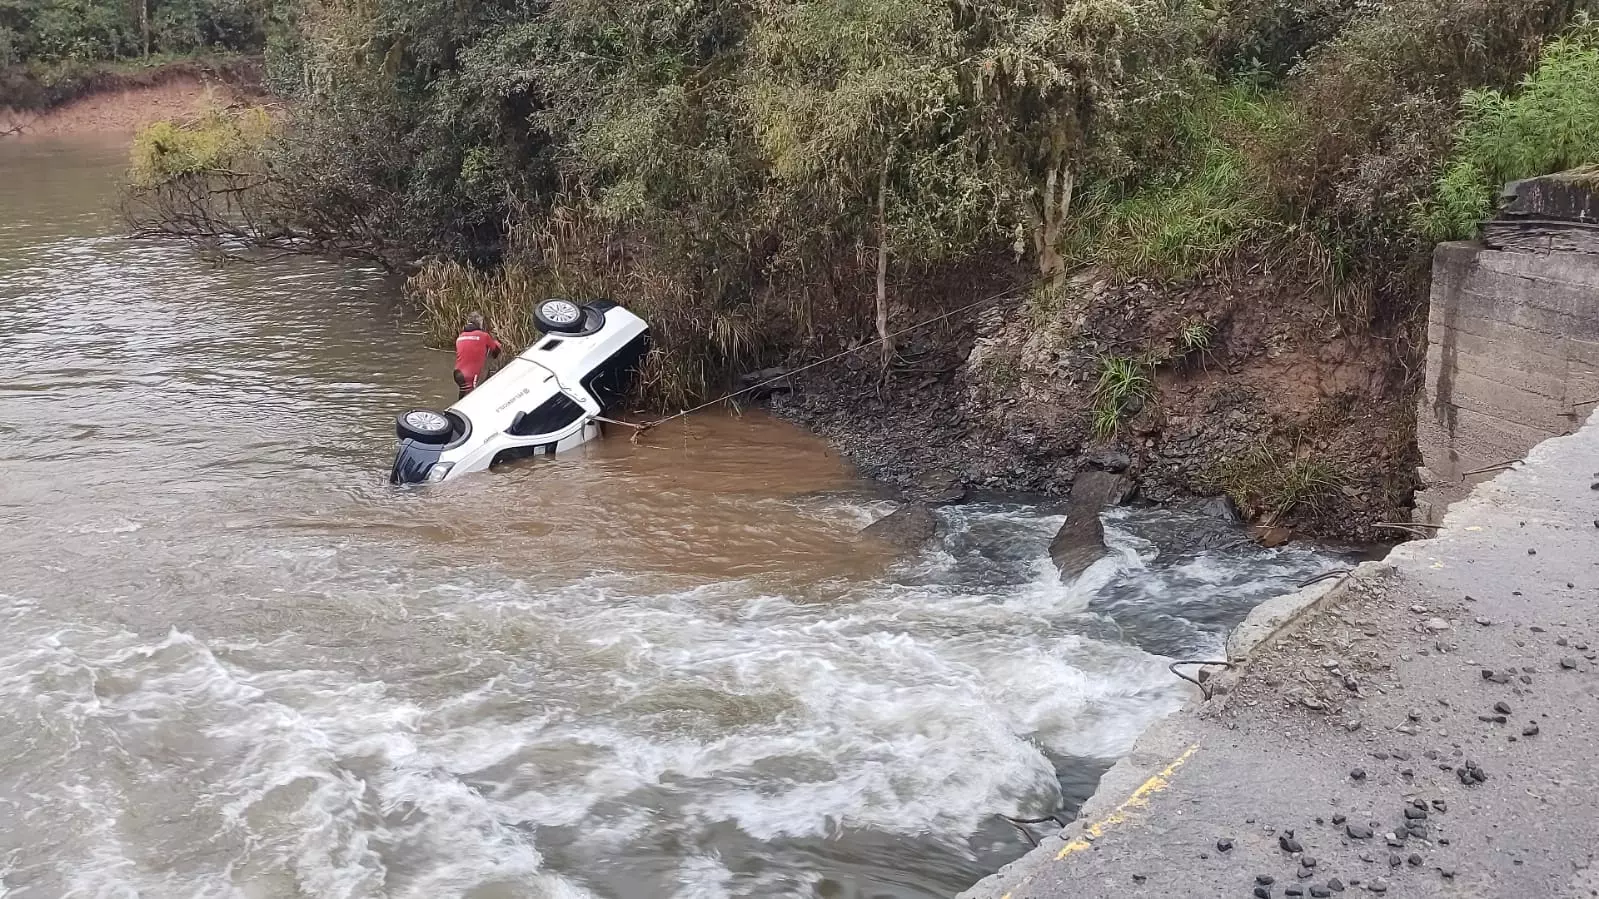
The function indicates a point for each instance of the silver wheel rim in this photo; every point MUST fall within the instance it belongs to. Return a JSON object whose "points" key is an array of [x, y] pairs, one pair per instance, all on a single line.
{"points": [[427, 421], [561, 312]]}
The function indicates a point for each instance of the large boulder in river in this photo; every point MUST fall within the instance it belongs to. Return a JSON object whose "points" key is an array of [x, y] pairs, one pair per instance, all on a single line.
{"points": [[907, 527], [1080, 542]]}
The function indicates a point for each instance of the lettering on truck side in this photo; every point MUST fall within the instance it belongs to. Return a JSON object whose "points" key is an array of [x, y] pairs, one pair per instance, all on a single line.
{"points": [[508, 403]]}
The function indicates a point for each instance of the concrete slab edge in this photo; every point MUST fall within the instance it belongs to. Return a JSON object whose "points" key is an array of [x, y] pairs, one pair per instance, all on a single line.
{"points": [[1162, 749]]}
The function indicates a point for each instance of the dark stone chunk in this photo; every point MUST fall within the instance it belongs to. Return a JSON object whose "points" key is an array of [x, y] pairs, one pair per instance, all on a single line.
{"points": [[1140, 878], [1358, 774], [1265, 880], [906, 528], [1502, 708], [1294, 891], [1358, 832], [1394, 860], [1417, 830], [1305, 873], [1320, 892], [1262, 893], [1448, 873], [1308, 861], [1336, 885], [1415, 814], [1378, 886], [1081, 540], [1224, 845], [1338, 819], [1415, 860], [1440, 805], [1568, 663], [1289, 844], [1530, 730]]}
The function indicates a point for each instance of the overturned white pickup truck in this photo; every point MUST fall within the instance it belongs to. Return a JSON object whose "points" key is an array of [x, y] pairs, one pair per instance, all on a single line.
{"points": [[542, 402]]}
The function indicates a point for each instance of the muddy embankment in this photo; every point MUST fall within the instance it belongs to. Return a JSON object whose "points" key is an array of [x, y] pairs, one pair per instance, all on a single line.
{"points": [[114, 100], [1252, 389]]}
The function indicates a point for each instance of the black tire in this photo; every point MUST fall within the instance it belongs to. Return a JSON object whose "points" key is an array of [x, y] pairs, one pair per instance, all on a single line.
{"points": [[558, 316], [423, 426]]}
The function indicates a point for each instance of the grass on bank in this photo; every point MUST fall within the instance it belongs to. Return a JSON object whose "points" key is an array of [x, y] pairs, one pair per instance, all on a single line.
{"points": [[1271, 483], [1175, 223], [1125, 384]]}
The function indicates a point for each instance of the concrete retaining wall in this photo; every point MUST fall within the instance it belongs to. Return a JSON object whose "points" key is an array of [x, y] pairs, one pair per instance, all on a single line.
{"points": [[1512, 360]]}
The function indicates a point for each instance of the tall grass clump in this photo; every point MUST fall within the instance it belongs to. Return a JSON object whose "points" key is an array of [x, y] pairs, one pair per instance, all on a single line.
{"points": [[1268, 484], [1124, 385]]}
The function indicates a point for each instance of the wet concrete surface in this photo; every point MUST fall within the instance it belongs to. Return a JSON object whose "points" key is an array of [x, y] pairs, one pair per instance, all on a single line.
{"points": [[1445, 702]]}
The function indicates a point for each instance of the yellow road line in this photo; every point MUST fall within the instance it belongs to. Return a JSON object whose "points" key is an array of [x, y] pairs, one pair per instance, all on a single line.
{"points": [[1139, 799]]}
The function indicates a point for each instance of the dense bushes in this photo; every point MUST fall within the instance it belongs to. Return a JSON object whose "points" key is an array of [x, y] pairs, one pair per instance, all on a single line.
{"points": [[742, 169], [60, 31], [1549, 124]]}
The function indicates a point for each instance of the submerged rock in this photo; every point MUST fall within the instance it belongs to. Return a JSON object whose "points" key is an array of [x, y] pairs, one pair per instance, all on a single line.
{"points": [[907, 527], [1273, 536], [939, 488], [1223, 508], [1081, 540]]}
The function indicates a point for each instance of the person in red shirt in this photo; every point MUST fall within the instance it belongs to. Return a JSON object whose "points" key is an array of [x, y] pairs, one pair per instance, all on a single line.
{"points": [[473, 349]]}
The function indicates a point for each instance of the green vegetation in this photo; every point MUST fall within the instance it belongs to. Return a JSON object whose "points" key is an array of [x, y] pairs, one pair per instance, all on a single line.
{"points": [[760, 175], [1195, 336], [164, 152], [1268, 484], [1124, 386], [1549, 124], [1176, 221], [56, 32]]}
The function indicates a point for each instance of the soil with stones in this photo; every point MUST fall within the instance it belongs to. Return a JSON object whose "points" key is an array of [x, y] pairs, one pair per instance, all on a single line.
{"points": [[1253, 390]]}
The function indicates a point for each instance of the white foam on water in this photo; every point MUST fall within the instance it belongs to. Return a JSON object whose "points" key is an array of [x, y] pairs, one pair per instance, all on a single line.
{"points": [[917, 706], [107, 527]]}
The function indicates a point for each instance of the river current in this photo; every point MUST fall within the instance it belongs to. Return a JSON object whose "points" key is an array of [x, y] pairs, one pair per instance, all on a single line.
{"points": [[238, 664]]}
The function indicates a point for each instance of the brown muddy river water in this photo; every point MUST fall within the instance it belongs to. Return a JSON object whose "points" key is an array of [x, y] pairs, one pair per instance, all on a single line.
{"points": [[238, 664]]}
